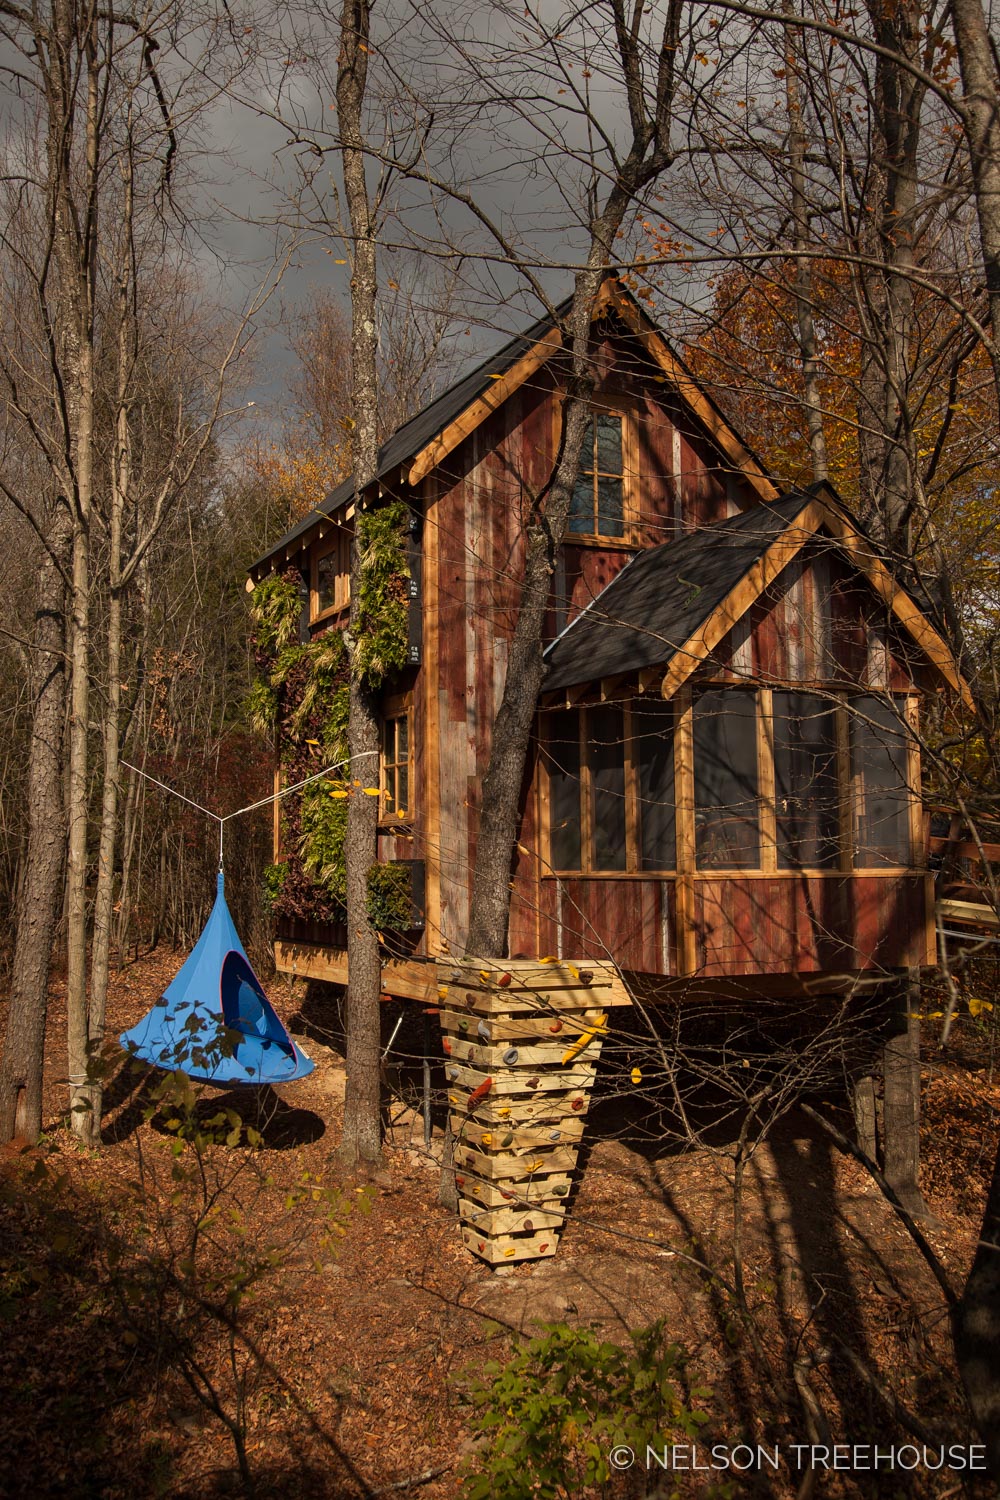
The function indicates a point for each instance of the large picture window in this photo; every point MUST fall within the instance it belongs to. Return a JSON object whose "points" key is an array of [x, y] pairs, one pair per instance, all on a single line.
{"points": [[879, 773], [807, 805], [610, 786], [598, 504], [726, 780]]}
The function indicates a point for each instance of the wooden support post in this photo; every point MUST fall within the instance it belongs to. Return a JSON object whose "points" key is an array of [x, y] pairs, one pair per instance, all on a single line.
{"points": [[901, 1113], [521, 1041], [863, 1106], [428, 1130], [687, 950]]}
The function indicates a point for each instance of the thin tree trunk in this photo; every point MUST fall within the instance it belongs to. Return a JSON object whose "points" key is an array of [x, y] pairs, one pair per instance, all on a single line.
{"points": [[803, 270], [362, 1137], [40, 896], [977, 63], [901, 1111]]}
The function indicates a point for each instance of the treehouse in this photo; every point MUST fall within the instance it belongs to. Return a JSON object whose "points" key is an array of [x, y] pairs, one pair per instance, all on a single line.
{"points": [[724, 785]]}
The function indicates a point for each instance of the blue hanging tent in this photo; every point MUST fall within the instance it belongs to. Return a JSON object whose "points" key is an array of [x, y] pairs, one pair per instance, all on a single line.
{"points": [[213, 1020]]}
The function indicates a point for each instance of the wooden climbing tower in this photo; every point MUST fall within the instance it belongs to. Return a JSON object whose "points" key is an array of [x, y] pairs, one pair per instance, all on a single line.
{"points": [[521, 1039]]}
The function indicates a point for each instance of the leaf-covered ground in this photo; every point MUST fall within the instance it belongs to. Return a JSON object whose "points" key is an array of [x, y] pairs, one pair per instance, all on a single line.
{"points": [[163, 1308]]}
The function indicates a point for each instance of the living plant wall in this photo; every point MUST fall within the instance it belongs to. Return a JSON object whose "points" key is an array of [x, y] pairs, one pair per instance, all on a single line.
{"points": [[302, 697]]}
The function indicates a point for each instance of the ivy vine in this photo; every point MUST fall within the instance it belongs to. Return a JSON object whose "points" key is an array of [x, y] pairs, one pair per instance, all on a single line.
{"points": [[302, 696]]}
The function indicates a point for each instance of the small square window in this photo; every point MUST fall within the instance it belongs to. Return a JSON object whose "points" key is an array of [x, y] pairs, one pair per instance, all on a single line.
{"points": [[598, 504], [331, 573]]}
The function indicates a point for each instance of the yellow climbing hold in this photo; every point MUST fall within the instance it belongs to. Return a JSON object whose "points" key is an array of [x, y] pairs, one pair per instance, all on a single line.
{"points": [[511, 1251], [636, 1075], [486, 1138], [585, 1038]]}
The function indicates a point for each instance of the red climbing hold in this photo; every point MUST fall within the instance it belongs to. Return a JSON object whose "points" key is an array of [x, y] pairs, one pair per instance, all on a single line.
{"points": [[479, 1093]]}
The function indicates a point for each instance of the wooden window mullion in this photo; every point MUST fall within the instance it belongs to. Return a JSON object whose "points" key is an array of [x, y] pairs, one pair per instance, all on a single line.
{"points": [[586, 799], [765, 780], [685, 832]]}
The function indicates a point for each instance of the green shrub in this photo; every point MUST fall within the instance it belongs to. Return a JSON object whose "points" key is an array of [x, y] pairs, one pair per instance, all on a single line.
{"points": [[274, 880], [324, 829], [276, 608], [390, 897], [551, 1415]]}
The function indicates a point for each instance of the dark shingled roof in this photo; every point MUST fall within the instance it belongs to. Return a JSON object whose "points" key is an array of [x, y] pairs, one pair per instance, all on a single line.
{"points": [[660, 599], [420, 429]]}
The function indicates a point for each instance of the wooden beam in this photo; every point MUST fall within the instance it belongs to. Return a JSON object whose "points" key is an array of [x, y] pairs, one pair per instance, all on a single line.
{"points": [[406, 979], [912, 619], [429, 675], [457, 431], [765, 773], [687, 387], [687, 952], [765, 570]]}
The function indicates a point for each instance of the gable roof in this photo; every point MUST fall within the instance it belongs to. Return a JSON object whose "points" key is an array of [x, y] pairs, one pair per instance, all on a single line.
{"points": [[438, 428], [670, 606]]}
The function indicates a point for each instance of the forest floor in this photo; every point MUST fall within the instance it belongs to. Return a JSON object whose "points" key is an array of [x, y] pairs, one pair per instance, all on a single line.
{"points": [[333, 1326]]}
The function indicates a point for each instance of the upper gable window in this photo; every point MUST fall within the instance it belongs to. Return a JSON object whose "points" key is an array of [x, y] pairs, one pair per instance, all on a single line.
{"points": [[598, 504], [330, 582]]}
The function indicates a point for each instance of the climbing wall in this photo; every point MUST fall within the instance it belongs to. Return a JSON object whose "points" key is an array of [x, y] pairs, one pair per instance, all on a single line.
{"points": [[521, 1042]]}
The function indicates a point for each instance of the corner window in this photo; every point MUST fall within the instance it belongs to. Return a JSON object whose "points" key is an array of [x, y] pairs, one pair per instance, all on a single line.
{"points": [[807, 806], [396, 773], [610, 777], [598, 504], [330, 583], [879, 773], [726, 781]]}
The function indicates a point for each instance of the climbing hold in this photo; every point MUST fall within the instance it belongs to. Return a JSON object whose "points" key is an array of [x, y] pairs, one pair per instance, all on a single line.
{"points": [[463, 1025], [504, 1114], [472, 1055], [483, 1031], [511, 1251], [453, 1074], [506, 1195], [471, 997], [528, 1226], [446, 1045], [460, 1182], [510, 1056], [484, 975], [585, 1038], [533, 1083], [482, 1247], [554, 1135], [504, 981], [479, 1093], [561, 1189], [636, 1075], [576, 1104], [542, 1248], [534, 1166], [508, 1139], [556, 1027], [442, 992], [486, 1138], [586, 976]]}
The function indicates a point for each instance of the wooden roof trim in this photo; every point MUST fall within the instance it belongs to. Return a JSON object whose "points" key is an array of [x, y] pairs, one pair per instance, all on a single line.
{"points": [[765, 570], [659, 351], [760, 576], [612, 296], [909, 615], [457, 431]]}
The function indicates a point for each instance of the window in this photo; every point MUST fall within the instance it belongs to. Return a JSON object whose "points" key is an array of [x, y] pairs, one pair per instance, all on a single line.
{"points": [[807, 806], [598, 504], [331, 571], [610, 773], [396, 773], [726, 780], [653, 728], [879, 773]]}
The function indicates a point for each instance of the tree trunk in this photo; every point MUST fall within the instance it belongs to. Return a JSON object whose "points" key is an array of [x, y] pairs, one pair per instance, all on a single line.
{"points": [[40, 902], [976, 1324], [362, 1137], [978, 66], [901, 1113]]}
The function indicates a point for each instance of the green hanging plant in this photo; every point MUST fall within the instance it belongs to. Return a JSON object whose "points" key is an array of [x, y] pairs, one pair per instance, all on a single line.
{"points": [[381, 618], [324, 830], [261, 707], [274, 880], [390, 897], [276, 608], [327, 661], [335, 727]]}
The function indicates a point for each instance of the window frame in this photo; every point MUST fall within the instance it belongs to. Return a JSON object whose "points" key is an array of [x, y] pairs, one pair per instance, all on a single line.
{"points": [[626, 411], [340, 540], [392, 711], [685, 863]]}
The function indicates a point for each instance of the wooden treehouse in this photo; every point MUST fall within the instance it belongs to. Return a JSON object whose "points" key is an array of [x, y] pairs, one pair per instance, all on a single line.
{"points": [[724, 788]]}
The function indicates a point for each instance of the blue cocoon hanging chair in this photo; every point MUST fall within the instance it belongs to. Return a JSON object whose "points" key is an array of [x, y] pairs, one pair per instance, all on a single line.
{"points": [[213, 1020]]}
